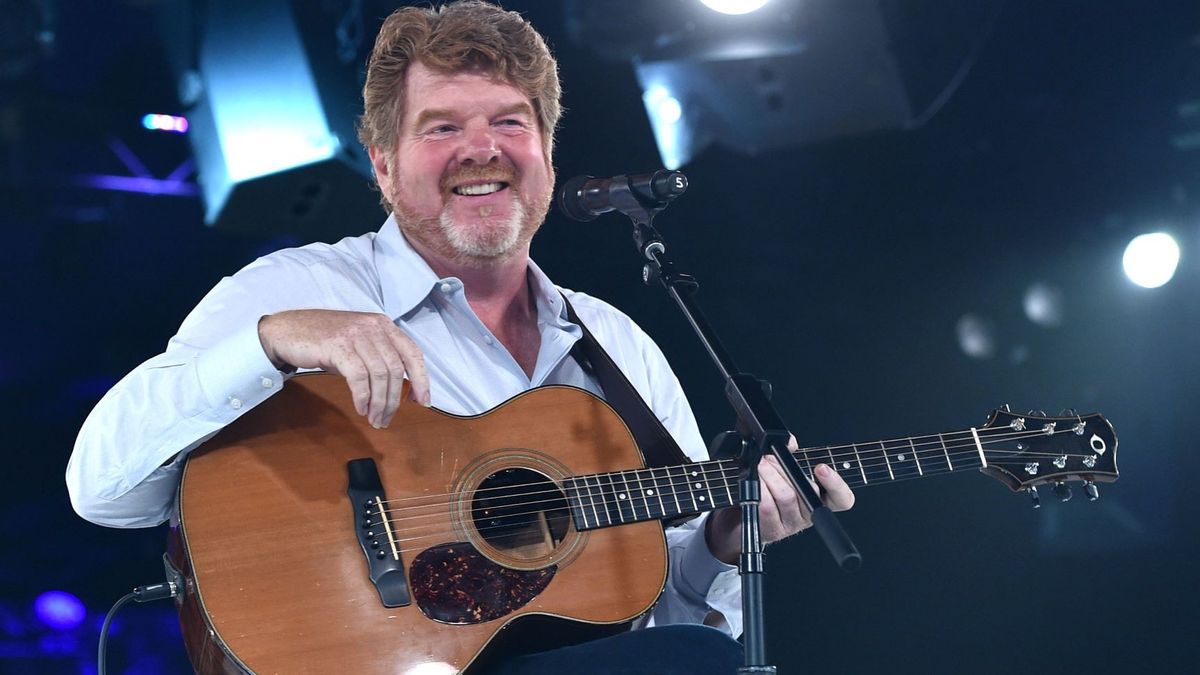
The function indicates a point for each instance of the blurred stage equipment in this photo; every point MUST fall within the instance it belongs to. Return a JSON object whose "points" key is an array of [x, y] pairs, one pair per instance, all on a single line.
{"points": [[271, 93], [789, 73]]}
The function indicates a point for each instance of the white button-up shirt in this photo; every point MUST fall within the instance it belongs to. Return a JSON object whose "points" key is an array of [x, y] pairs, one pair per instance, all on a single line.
{"points": [[128, 458]]}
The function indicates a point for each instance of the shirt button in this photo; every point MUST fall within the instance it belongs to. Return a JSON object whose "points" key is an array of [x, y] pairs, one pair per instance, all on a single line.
{"points": [[488, 339], [267, 383], [235, 403], [447, 287]]}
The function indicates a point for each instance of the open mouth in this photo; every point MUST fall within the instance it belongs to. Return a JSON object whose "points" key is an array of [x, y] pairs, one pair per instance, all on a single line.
{"points": [[479, 189]]}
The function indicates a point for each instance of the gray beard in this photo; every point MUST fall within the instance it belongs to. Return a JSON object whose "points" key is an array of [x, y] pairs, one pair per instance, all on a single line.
{"points": [[498, 241]]}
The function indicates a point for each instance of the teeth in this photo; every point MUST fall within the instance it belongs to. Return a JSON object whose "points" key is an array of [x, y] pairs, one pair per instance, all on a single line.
{"points": [[484, 189]]}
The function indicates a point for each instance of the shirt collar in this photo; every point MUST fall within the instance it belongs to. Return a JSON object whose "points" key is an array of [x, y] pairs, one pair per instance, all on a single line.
{"points": [[406, 279]]}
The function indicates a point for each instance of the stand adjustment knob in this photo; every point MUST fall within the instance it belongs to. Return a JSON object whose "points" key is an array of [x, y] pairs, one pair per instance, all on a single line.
{"points": [[1062, 491]]}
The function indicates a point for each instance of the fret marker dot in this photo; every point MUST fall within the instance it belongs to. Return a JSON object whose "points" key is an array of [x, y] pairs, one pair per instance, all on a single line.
{"points": [[900, 457], [621, 496], [693, 473], [845, 465], [697, 486], [649, 492], [701, 497]]}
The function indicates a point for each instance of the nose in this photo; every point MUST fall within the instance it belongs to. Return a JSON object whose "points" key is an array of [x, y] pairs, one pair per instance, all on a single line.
{"points": [[479, 145]]}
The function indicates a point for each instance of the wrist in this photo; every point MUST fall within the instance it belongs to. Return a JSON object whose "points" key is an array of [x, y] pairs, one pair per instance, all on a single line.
{"points": [[722, 534]]}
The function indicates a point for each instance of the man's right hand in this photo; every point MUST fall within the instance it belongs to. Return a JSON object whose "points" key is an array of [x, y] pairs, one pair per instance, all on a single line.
{"points": [[367, 349]]}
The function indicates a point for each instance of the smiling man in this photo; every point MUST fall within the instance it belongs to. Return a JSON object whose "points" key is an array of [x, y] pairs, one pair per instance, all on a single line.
{"points": [[460, 107]]}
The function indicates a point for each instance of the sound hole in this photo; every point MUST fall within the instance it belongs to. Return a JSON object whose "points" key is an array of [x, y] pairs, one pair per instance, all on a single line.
{"points": [[520, 512]]}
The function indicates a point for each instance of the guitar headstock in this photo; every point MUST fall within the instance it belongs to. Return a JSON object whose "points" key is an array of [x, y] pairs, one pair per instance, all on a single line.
{"points": [[1025, 451]]}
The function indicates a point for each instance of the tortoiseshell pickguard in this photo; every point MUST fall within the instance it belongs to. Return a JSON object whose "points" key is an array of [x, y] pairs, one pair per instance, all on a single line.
{"points": [[454, 583]]}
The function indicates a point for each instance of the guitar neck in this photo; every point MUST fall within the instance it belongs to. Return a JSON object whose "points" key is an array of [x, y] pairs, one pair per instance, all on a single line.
{"points": [[620, 497]]}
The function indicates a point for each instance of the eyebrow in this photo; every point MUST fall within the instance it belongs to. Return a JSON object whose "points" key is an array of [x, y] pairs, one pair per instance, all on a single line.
{"points": [[426, 116]]}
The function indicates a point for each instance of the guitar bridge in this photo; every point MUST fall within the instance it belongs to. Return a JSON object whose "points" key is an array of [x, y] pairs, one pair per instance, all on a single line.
{"points": [[375, 533]]}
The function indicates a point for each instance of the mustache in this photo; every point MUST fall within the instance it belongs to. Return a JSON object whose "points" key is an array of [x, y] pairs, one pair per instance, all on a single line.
{"points": [[476, 173]]}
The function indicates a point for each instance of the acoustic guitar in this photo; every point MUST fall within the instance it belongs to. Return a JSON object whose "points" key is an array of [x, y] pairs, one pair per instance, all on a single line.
{"points": [[309, 542]]}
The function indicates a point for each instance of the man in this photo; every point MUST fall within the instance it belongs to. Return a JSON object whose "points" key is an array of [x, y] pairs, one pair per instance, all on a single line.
{"points": [[460, 105]]}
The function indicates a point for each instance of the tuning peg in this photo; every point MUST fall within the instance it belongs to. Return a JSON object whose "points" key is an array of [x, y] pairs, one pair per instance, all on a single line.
{"points": [[1033, 494], [1006, 408], [1068, 412], [1062, 491], [1036, 413], [1092, 491]]}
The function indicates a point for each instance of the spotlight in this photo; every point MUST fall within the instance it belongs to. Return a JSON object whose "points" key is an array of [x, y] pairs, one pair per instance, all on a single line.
{"points": [[1150, 259], [59, 610], [734, 6]]}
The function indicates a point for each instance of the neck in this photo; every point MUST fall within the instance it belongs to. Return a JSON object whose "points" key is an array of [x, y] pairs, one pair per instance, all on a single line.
{"points": [[498, 291]]}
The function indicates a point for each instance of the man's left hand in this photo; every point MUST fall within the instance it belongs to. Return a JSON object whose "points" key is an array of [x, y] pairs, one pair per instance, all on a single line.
{"points": [[781, 513]]}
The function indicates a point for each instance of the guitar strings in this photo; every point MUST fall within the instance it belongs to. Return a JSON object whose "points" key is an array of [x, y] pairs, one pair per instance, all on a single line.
{"points": [[806, 455], [442, 535], [688, 475], [728, 469]]}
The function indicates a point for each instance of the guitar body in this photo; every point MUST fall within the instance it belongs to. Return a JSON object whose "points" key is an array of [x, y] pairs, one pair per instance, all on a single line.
{"points": [[276, 579]]}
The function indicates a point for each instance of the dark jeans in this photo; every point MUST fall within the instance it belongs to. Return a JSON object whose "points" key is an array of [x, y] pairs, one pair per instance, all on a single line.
{"points": [[662, 650]]}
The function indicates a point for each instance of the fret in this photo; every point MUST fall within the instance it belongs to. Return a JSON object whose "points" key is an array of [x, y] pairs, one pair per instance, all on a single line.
{"points": [[637, 496], [807, 461], [706, 476], [945, 453], [858, 459], [647, 493], [625, 499], [725, 480], [916, 457], [658, 492], [604, 514], [578, 512], [674, 493], [902, 460], [686, 472], [874, 462], [886, 461]]}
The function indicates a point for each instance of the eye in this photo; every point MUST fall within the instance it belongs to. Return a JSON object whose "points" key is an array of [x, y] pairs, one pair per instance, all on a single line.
{"points": [[511, 122]]}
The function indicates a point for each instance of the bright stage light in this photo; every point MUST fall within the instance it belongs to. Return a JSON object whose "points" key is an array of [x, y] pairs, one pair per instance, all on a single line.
{"points": [[734, 6], [1150, 259]]}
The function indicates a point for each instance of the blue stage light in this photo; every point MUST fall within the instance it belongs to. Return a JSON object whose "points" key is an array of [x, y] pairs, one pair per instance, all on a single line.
{"points": [[59, 610]]}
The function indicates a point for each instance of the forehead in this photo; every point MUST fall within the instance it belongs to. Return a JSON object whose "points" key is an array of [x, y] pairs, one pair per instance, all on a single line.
{"points": [[460, 92]]}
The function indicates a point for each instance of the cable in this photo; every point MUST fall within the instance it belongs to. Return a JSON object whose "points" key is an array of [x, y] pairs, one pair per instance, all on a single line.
{"points": [[148, 593]]}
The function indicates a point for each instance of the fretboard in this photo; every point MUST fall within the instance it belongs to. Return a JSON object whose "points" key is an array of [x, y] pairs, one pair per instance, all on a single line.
{"points": [[606, 499]]}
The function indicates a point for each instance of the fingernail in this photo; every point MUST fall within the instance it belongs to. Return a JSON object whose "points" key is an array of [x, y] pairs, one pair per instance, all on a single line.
{"points": [[426, 399], [823, 470]]}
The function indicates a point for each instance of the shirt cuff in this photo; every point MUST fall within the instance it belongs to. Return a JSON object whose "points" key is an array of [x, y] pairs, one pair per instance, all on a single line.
{"points": [[713, 582], [236, 375]]}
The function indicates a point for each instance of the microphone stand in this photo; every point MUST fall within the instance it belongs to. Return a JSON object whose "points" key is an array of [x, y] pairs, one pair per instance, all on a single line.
{"points": [[759, 426]]}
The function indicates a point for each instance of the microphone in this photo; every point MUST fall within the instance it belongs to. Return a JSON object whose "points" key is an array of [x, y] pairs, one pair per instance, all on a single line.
{"points": [[584, 197]]}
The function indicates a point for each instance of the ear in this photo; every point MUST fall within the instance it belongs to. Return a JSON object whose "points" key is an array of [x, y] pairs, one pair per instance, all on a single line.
{"points": [[378, 162]]}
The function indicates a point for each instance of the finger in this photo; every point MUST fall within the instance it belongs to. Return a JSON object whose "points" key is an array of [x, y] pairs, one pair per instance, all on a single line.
{"points": [[377, 380], [414, 364], [784, 506], [395, 385], [838, 495], [349, 365]]}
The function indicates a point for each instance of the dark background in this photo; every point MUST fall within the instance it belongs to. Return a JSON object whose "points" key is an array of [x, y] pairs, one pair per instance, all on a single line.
{"points": [[839, 270]]}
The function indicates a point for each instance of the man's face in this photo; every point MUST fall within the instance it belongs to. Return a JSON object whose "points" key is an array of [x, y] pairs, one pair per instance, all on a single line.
{"points": [[470, 180]]}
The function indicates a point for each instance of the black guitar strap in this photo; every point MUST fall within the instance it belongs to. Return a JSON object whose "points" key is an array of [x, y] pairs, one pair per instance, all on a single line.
{"points": [[656, 443]]}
